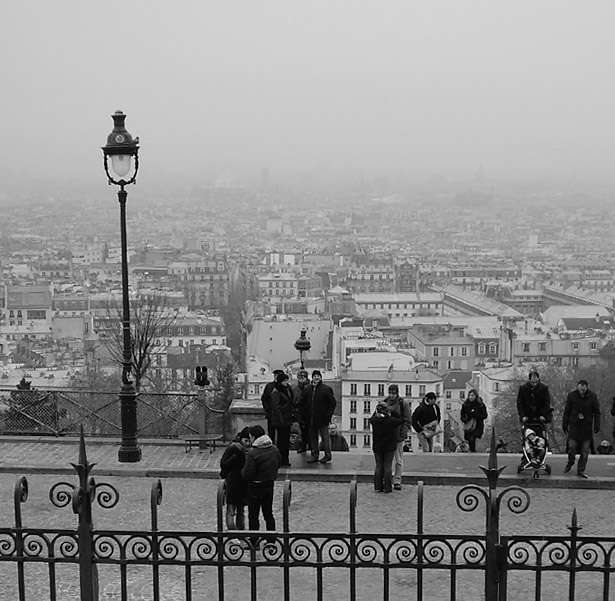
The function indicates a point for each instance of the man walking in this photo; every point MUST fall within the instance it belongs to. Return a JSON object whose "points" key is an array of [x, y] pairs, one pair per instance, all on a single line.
{"points": [[399, 408], [321, 405], [261, 471], [534, 400], [581, 421]]}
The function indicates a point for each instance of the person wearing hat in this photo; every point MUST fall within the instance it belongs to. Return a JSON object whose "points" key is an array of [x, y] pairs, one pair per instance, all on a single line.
{"points": [[301, 405], [320, 408], [266, 403], [425, 420], [384, 426], [231, 463], [282, 415], [399, 408]]}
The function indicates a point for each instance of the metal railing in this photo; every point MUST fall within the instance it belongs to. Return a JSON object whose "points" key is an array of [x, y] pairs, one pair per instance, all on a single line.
{"points": [[286, 564], [64, 412]]}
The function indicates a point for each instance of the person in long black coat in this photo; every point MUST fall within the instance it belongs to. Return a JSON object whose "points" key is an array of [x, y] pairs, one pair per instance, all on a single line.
{"points": [[231, 463], [384, 443], [473, 408], [282, 415]]}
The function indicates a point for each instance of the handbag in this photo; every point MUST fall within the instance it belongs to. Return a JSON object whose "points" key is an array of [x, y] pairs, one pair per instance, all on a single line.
{"points": [[469, 426], [431, 429]]}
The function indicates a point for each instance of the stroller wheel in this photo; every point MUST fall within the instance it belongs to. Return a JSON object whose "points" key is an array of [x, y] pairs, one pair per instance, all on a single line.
{"points": [[519, 469], [548, 469], [536, 474]]}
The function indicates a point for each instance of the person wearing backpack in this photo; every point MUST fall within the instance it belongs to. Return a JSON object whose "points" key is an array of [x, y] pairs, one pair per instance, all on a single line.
{"points": [[399, 408]]}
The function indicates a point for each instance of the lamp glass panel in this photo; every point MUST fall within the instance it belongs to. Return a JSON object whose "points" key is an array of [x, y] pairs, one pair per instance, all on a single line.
{"points": [[120, 163]]}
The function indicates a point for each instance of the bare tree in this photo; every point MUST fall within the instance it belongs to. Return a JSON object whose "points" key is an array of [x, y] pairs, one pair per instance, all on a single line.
{"points": [[150, 317]]}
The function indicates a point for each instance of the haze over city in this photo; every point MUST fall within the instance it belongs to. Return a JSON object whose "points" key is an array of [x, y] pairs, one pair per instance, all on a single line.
{"points": [[218, 91]]}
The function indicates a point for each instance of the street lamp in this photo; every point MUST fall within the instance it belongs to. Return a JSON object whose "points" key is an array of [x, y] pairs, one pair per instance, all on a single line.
{"points": [[303, 345], [121, 148]]}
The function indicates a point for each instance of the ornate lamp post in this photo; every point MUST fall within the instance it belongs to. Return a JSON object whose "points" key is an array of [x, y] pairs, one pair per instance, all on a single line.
{"points": [[303, 345], [121, 148]]}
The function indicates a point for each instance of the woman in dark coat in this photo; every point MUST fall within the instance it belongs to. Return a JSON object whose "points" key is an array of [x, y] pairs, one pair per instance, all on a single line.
{"points": [[384, 444], [282, 415], [473, 416], [231, 464]]}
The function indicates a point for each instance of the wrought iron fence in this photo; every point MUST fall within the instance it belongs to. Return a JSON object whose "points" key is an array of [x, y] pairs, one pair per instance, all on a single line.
{"points": [[64, 412], [286, 564]]}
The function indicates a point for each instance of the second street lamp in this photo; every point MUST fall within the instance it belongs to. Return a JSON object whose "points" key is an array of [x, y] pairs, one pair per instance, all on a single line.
{"points": [[120, 149]]}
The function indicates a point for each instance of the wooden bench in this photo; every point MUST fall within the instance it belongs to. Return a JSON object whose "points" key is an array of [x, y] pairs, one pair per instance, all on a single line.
{"points": [[196, 440]]}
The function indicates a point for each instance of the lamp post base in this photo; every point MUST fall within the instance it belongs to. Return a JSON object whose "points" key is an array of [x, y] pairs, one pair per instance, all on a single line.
{"points": [[129, 455]]}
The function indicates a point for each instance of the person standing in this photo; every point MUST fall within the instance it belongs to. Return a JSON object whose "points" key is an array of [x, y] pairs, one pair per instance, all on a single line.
{"points": [[282, 412], [232, 462], [261, 471], [321, 406], [266, 403], [473, 416], [425, 420], [534, 400], [580, 422], [300, 402], [384, 444], [399, 408]]}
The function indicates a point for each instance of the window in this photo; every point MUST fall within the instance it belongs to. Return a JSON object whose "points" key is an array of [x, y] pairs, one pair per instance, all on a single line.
{"points": [[593, 346], [436, 351], [526, 347], [435, 364], [575, 361], [422, 389], [496, 386], [353, 406], [451, 351], [408, 389], [542, 346], [448, 406], [367, 390], [353, 389], [493, 348], [353, 440], [366, 423], [380, 389], [353, 423], [462, 394], [482, 348], [575, 346], [437, 389], [367, 407], [367, 440], [464, 351], [448, 394], [450, 364]]}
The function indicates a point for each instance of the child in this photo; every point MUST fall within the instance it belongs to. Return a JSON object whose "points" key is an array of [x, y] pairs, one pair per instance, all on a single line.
{"points": [[535, 446]]}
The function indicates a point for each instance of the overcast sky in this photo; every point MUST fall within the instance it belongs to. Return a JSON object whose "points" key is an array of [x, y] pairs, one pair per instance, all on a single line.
{"points": [[525, 88]]}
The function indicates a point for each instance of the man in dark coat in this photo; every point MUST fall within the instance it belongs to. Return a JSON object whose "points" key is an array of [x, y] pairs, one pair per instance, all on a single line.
{"points": [[231, 464], [266, 403], [260, 471], [301, 402], [320, 407], [534, 400], [581, 421]]}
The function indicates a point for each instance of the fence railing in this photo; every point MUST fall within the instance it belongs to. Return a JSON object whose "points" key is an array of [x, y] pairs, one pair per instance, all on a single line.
{"points": [[288, 564], [65, 412]]}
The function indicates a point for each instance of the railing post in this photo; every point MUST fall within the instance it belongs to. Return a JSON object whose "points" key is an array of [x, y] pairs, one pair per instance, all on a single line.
{"points": [[202, 383], [574, 531], [419, 542], [155, 500], [20, 496]]}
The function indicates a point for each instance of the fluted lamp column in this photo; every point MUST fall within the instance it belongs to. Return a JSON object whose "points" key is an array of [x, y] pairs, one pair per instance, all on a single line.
{"points": [[120, 151]]}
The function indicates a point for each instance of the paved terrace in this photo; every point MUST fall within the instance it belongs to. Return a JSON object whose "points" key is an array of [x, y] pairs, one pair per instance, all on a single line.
{"points": [[168, 459]]}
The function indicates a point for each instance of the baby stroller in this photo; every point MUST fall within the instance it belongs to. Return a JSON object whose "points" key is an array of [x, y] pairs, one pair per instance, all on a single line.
{"points": [[534, 447]]}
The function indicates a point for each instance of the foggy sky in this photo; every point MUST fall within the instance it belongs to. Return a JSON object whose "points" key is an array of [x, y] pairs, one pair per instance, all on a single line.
{"points": [[523, 88]]}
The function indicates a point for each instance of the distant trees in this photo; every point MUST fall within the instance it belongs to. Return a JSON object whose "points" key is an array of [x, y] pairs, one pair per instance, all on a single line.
{"points": [[150, 317]]}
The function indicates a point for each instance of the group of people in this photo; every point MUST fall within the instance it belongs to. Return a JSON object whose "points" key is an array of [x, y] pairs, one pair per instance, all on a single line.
{"points": [[580, 420], [309, 405]]}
